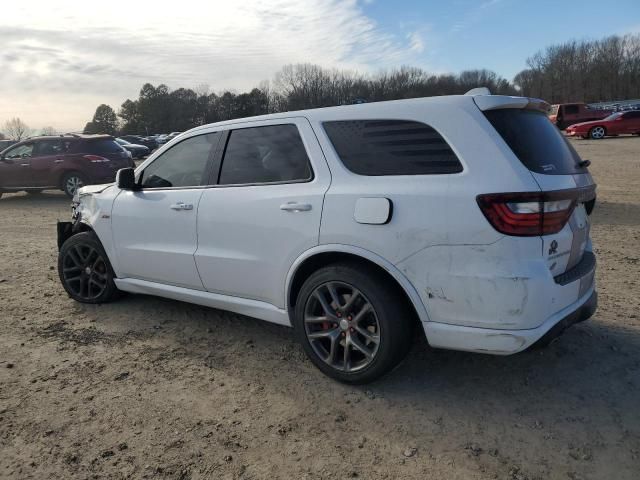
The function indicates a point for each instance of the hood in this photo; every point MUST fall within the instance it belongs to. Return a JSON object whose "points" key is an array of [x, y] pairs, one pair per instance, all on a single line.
{"points": [[582, 124], [93, 189]]}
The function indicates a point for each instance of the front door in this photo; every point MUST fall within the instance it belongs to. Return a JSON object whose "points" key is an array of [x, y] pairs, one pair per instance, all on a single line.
{"points": [[154, 228], [632, 122], [265, 210], [15, 166]]}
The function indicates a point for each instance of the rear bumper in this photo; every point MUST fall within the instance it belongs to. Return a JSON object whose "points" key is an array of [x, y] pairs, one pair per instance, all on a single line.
{"points": [[507, 342]]}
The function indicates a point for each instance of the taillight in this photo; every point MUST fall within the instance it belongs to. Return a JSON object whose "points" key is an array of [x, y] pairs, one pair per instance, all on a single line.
{"points": [[531, 214], [96, 158]]}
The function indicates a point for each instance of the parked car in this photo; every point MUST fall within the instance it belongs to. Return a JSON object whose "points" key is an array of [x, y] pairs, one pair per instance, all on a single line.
{"points": [[137, 151], [148, 142], [6, 143], [618, 123], [162, 138], [172, 135], [64, 162], [565, 114], [356, 224]]}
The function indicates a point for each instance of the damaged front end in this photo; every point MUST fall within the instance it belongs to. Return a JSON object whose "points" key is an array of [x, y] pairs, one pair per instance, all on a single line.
{"points": [[65, 230]]}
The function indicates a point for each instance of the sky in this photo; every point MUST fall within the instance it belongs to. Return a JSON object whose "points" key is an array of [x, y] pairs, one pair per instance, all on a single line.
{"points": [[60, 60]]}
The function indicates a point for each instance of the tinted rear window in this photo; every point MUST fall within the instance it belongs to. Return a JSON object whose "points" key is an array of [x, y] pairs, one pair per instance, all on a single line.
{"points": [[535, 141], [391, 147], [99, 146]]}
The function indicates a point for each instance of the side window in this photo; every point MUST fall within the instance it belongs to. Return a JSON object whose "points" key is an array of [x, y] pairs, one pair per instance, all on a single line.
{"points": [[21, 151], [47, 147], [571, 109], [268, 154], [634, 115], [391, 147], [183, 165]]}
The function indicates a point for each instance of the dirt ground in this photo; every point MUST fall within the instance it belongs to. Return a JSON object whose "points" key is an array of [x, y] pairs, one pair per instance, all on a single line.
{"points": [[152, 388]]}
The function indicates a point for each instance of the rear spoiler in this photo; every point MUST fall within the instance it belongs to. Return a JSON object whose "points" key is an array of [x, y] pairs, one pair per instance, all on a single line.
{"points": [[485, 101]]}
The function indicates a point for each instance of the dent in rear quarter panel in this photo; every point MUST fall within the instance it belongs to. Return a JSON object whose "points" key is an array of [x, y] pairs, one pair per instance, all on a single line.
{"points": [[505, 285]]}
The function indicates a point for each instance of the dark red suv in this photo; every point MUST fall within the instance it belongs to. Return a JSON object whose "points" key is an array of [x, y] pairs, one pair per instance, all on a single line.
{"points": [[64, 162]]}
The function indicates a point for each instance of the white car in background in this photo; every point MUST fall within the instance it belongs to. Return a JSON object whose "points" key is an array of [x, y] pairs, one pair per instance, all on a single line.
{"points": [[467, 216]]}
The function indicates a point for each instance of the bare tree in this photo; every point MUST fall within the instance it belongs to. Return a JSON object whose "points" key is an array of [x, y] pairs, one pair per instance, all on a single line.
{"points": [[48, 131], [16, 129]]}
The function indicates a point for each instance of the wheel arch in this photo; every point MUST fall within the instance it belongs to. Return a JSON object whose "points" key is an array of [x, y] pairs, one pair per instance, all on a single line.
{"points": [[67, 230], [317, 257]]}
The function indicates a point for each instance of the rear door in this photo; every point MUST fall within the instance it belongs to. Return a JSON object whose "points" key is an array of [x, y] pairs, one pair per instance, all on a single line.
{"points": [[265, 210], [48, 155], [154, 228], [631, 122], [556, 166]]}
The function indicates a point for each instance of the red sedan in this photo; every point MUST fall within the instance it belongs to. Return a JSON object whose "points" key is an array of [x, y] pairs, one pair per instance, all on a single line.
{"points": [[615, 124]]}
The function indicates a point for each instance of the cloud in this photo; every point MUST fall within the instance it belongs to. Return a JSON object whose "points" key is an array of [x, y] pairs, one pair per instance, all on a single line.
{"points": [[416, 42], [474, 15], [73, 54]]}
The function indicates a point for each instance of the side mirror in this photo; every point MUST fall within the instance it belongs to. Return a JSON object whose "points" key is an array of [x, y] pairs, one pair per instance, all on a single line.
{"points": [[126, 179]]}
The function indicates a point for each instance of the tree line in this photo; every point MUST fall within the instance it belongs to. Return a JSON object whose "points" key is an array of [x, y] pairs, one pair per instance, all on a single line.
{"points": [[574, 71], [295, 87], [585, 71], [16, 129]]}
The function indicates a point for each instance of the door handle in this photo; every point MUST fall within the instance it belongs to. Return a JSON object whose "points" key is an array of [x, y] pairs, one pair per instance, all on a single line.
{"points": [[59, 160], [182, 206], [24, 164], [295, 207]]}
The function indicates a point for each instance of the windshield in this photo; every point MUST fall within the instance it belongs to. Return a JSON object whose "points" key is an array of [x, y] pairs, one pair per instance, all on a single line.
{"points": [[613, 116], [121, 141]]}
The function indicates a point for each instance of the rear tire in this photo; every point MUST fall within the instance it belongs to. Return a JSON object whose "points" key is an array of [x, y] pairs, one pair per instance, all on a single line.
{"points": [[368, 328], [71, 182], [85, 271], [597, 133]]}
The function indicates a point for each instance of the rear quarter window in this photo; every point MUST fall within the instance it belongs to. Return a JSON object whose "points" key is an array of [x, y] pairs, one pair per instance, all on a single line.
{"points": [[391, 147], [537, 143]]}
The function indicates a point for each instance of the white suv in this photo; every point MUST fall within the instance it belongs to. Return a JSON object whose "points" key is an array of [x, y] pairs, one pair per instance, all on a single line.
{"points": [[465, 215]]}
